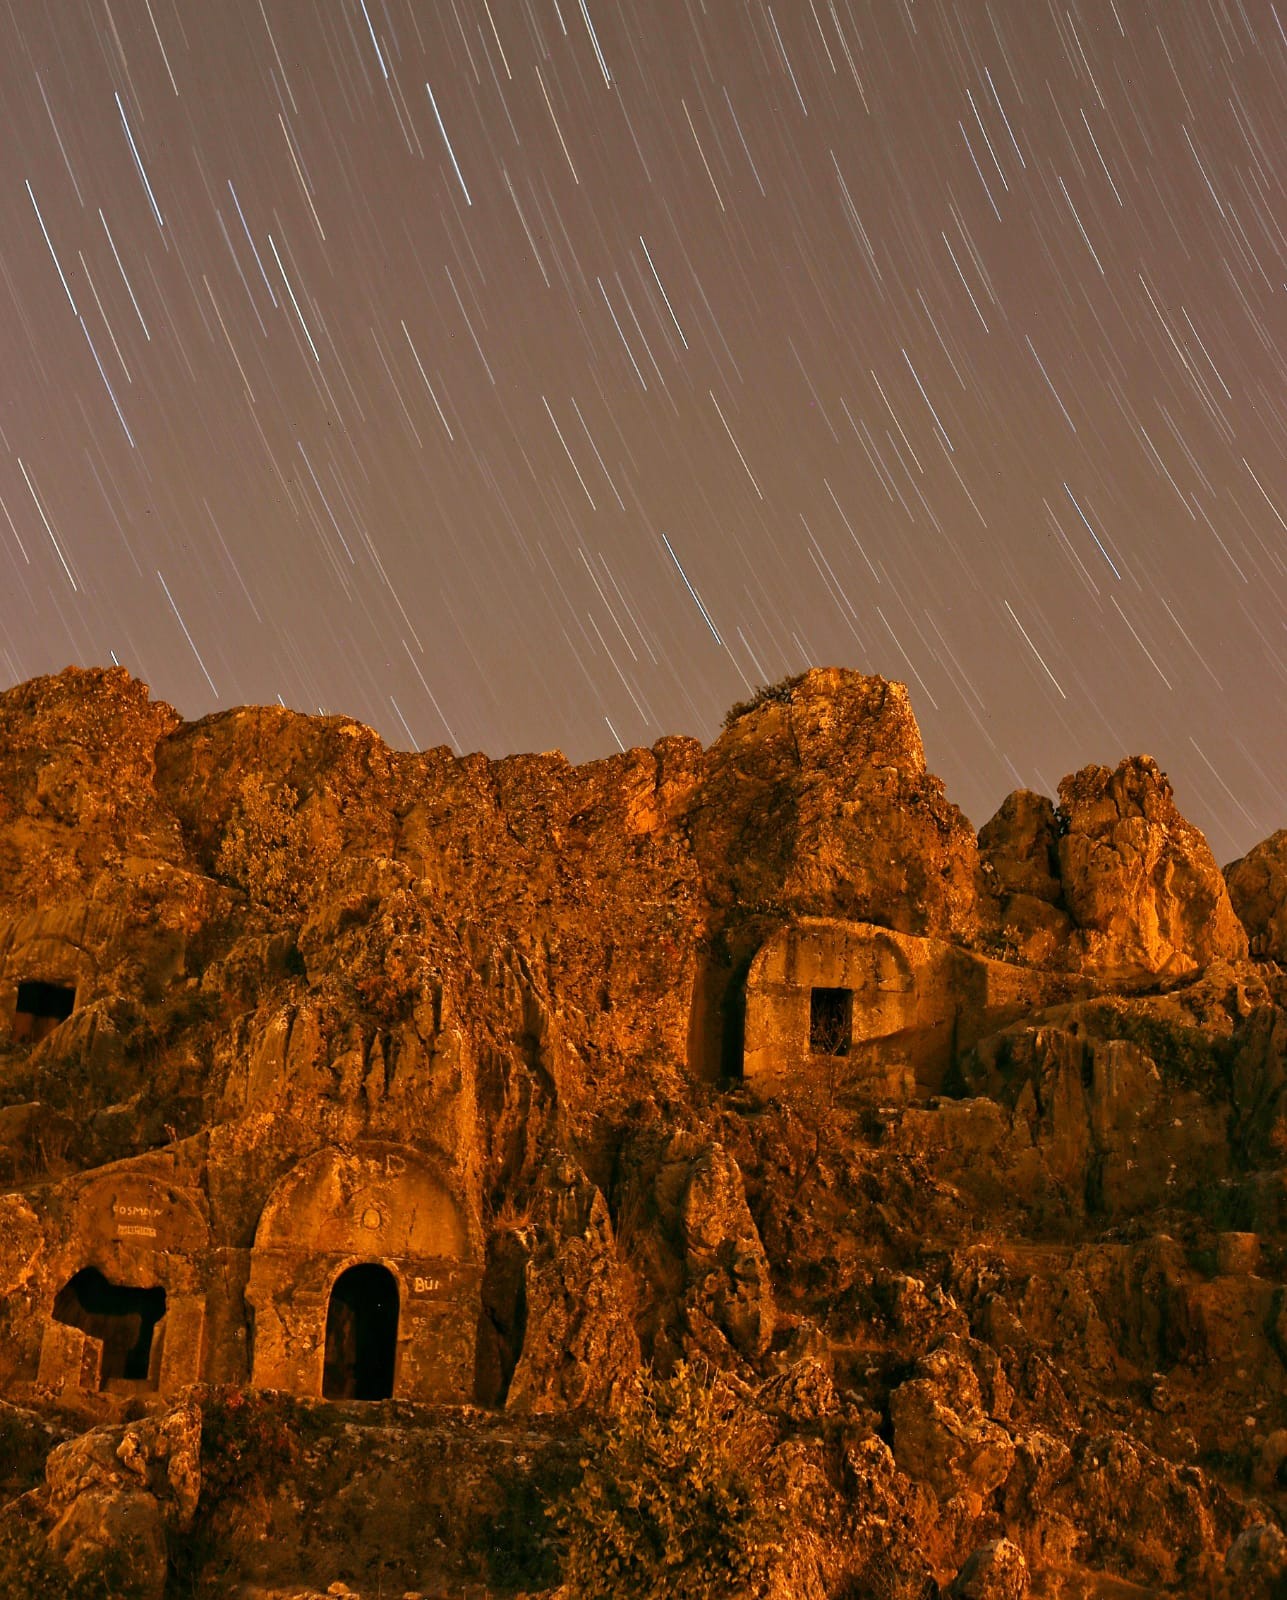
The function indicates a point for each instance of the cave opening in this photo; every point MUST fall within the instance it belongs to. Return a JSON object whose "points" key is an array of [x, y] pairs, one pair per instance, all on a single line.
{"points": [[41, 1007], [122, 1317], [361, 1334]]}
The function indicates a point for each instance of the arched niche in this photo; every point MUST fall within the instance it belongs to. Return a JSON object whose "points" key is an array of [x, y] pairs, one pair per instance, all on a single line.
{"points": [[382, 1199], [386, 1208]]}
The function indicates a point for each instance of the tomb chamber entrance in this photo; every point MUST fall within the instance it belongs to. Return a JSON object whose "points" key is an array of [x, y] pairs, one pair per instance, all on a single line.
{"points": [[122, 1318], [361, 1334], [40, 1009]]}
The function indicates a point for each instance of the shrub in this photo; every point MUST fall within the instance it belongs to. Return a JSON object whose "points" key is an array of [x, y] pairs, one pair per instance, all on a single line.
{"points": [[265, 850], [250, 1441], [778, 693], [685, 1497]]}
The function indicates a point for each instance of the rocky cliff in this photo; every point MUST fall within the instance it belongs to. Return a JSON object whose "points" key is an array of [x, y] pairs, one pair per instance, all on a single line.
{"points": [[376, 1128]]}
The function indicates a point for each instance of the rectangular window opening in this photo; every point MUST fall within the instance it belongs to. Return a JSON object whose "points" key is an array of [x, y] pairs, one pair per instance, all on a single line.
{"points": [[41, 1007], [831, 1021]]}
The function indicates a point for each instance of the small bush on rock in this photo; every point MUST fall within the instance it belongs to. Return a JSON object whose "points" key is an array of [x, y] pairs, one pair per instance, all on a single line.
{"points": [[778, 693], [266, 848], [685, 1495]]}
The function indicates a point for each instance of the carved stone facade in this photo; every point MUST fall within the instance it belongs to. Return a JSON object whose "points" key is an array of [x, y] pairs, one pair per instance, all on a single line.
{"points": [[134, 1234], [848, 1006], [380, 1204], [130, 1293]]}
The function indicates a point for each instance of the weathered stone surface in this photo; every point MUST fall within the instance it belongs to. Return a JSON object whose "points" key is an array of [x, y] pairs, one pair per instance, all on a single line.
{"points": [[159, 1455], [942, 1435], [995, 1571], [113, 1493], [1257, 1559], [820, 802], [1139, 881], [117, 1532], [1258, 890], [1019, 854], [1020, 847], [577, 1341], [729, 1286]]}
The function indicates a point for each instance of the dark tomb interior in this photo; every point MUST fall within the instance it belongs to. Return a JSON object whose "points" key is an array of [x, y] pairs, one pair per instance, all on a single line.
{"points": [[361, 1335], [41, 1007], [831, 1021], [123, 1318]]}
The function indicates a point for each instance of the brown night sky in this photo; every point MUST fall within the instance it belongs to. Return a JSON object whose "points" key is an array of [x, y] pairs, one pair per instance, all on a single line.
{"points": [[522, 373]]}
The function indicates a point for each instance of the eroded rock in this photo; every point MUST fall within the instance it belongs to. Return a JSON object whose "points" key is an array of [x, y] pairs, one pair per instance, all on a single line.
{"points": [[1258, 891], [1139, 881]]}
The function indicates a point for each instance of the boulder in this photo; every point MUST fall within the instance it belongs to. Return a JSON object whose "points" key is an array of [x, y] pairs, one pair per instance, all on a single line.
{"points": [[804, 1393], [116, 1536], [942, 1435], [1140, 882], [1258, 890], [1257, 1559], [160, 1456], [995, 1571], [113, 1494]]}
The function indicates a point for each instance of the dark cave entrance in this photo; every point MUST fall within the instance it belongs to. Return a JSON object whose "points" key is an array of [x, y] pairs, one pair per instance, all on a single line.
{"points": [[41, 1007], [831, 1021], [123, 1318], [361, 1334]]}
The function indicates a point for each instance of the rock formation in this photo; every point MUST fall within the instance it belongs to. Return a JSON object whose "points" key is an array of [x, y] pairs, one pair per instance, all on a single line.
{"points": [[371, 1121]]}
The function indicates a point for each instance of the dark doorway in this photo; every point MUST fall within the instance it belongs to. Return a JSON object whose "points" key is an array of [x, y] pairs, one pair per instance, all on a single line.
{"points": [[831, 1021], [361, 1334], [123, 1318], [41, 1007]]}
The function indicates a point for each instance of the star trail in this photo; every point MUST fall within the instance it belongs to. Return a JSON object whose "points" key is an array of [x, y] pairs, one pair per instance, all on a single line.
{"points": [[516, 374]]}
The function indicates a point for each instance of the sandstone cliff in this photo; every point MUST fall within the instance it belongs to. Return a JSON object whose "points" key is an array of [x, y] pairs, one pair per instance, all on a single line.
{"points": [[369, 1121]]}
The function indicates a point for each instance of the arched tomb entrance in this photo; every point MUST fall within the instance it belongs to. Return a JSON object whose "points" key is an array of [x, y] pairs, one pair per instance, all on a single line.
{"points": [[364, 1280], [361, 1334], [127, 1306]]}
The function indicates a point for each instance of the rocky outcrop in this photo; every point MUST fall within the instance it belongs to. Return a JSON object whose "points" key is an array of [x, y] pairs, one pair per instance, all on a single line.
{"points": [[411, 1111], [995, 1571], [1139, 881], [1258, 890], [558, 1302], [113, 1494], [819, 801], [729, 1290], [1019, 853], [943, 1437]]}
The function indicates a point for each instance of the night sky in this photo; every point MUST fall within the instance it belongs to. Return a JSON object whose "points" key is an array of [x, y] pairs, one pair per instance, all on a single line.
{"points": [[517, 374]]}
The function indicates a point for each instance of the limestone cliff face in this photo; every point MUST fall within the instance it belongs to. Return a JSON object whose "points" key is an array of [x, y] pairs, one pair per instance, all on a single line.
{"points": [[347, 1072]]}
